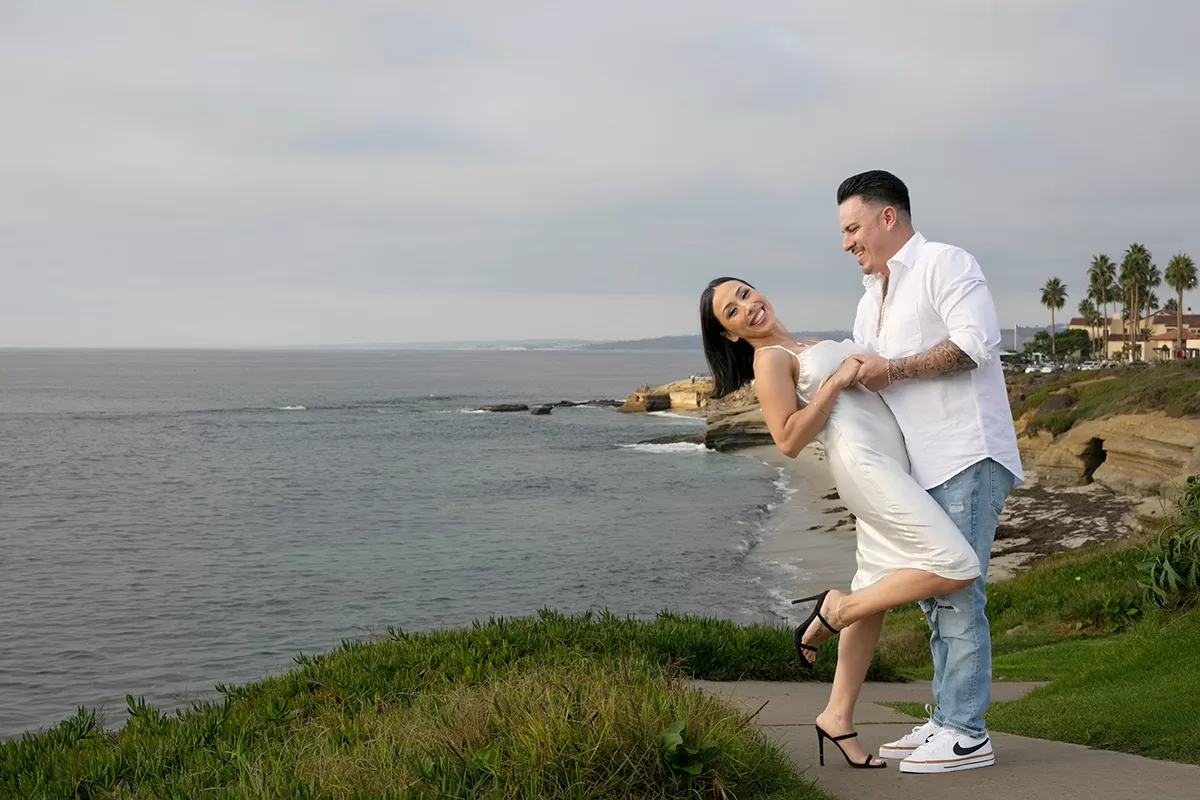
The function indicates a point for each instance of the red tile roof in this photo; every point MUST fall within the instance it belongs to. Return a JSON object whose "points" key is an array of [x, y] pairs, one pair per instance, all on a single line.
{"points": [[1168, 318]]}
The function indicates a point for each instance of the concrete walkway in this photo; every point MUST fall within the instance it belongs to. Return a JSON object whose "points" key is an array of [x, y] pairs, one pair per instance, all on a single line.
{"points": [[1025, 769]]}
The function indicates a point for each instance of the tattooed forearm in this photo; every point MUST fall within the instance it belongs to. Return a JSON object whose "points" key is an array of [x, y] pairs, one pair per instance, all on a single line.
{"points": [[945, 358]]}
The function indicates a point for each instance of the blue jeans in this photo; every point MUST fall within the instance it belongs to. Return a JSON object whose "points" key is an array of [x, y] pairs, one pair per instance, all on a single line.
{"points": [[961, 641]]}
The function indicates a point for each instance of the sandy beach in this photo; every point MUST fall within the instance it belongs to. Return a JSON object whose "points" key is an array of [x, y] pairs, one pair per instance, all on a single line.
{"points": [[811, 536]]}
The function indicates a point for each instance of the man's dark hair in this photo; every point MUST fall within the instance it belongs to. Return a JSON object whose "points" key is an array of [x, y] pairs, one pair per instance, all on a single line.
{"points": [[876, 185]]}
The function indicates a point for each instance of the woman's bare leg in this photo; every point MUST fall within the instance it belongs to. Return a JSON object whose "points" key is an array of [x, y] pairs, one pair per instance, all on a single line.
{"points": [[855, 648], [900, 587], [859, 617]]}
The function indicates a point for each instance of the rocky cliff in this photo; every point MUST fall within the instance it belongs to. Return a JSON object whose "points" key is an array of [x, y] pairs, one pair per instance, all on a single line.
{"points": [[1131, 454], [736, 428], [690, 394]]}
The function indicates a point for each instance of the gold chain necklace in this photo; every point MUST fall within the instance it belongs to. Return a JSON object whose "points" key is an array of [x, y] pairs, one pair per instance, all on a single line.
{"points": [[882, 306]]}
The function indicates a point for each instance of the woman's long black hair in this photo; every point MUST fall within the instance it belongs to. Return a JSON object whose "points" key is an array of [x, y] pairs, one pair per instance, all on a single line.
{"points": [[731, 363]]}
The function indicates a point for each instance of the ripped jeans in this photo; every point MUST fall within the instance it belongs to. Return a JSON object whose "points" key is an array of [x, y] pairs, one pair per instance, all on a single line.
{"points": [[961, 641]]}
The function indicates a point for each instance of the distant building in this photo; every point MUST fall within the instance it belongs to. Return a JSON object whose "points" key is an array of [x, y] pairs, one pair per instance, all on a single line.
{"points": [[1017, 337], [1158, 346]]}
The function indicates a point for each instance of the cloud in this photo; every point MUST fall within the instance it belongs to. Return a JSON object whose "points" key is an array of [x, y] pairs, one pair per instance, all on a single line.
{"points": [[307, 171]]}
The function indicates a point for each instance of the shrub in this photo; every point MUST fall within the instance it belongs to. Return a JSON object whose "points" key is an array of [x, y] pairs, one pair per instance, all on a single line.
{"points": [[1057, 423], [1172, 564]]}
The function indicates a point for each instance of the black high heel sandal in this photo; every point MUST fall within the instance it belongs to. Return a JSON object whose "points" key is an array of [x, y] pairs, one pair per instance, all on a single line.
{"points": [[802, 628], [822, 736]]}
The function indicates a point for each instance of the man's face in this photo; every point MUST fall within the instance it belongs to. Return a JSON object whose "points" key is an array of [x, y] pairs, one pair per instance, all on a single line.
{"points": [[865, 232]]}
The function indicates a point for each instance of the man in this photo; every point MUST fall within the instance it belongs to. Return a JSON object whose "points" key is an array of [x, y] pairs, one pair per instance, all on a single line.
{"points": [[928, 319]]}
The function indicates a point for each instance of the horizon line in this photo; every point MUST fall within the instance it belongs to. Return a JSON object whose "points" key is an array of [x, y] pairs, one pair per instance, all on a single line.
{"points": [[410, 345]]}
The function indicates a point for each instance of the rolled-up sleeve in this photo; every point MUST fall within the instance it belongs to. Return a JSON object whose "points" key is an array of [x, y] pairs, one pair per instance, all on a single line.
{"points": [[962, 299]]}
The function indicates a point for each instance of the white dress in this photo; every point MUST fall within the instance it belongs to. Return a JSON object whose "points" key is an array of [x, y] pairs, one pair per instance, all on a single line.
{"points": [[898, 525]]}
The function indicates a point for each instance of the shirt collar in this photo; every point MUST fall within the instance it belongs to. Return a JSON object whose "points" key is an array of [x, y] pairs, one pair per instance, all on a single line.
{"points": [[906, 256]]}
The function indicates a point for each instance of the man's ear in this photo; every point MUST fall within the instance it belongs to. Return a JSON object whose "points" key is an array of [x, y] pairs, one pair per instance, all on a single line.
{"points": [[729, 336], [889, 217]]}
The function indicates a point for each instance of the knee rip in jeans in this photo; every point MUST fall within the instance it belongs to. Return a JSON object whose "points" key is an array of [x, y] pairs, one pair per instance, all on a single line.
{"points": [[944, 616], [951, 620]]}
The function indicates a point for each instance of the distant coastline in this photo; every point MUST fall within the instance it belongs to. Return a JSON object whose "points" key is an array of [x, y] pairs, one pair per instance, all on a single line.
{"points": [[689, 342], [1009, 338]]}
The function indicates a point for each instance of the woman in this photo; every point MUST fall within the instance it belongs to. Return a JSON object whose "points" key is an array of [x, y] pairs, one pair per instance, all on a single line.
{"points": [[908, 549]]}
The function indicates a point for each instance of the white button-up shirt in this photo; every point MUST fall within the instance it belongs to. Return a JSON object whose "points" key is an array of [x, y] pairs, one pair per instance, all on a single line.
{"points": [[937, 292]]}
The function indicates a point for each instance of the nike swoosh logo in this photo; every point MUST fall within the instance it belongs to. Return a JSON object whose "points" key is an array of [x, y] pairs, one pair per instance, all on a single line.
{"points": [[966, 751]]}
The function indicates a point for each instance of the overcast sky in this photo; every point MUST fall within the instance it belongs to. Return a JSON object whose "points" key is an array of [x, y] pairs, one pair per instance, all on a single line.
{"points": [[260, 173]]}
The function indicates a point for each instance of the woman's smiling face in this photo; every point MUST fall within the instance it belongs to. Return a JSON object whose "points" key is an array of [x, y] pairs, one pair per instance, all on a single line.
{"points": [[743, 311]]}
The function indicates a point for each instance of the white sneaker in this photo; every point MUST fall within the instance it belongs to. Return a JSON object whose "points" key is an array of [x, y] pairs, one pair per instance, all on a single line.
{"points": [[906, 744], [950, 751]]}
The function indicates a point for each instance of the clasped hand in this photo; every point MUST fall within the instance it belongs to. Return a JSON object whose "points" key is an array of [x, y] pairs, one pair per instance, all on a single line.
{"points": [[868, 370]]}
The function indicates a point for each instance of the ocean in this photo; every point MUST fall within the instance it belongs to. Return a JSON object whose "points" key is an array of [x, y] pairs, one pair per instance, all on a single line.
{"points": [[174, 519]]}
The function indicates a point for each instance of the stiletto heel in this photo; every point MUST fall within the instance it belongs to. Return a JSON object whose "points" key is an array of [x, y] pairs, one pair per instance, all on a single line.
{"points": [[822, 736], [802, 628]]}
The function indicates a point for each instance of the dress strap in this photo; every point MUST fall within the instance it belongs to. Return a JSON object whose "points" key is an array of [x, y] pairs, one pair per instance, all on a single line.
{"points": [[781, 347]]}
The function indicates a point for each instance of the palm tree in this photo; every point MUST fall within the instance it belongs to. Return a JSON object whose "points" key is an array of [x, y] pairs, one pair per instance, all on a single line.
{"points": [[1126, 280], [1054, 296], [1136, 277], [1181, 275], [1151, 279], [1101, 276], [1097, 293], [1150, 306], [1114, 291], [1126, 320], [1091, 317]]}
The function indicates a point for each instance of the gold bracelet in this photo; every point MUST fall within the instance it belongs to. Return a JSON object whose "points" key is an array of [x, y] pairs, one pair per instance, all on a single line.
{"points": [[891, 365], [823, 411]]}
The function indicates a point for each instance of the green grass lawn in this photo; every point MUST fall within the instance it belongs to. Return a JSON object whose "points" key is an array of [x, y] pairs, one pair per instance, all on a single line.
{"points": [[589, 706], [1072, 595], [1136, 691], [1124, 674]]}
